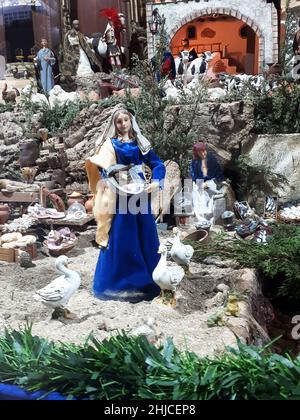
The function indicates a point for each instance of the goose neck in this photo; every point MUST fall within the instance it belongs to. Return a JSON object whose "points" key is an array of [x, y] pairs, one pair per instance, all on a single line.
{"points": [[177, 238], [63, 269], [163, 259]]}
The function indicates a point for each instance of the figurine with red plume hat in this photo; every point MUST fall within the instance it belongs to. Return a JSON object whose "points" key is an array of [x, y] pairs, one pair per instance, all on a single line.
{"points": [[112, 35]]}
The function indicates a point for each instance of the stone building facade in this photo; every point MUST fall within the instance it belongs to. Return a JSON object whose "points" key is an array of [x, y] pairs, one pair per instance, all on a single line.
{"points": [[260, 15], [51, 18]]}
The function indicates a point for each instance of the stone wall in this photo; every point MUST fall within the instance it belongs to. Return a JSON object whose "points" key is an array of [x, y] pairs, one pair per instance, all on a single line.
{"points": [[11, 133], [225, 126], [222, 125], [281, 153]]}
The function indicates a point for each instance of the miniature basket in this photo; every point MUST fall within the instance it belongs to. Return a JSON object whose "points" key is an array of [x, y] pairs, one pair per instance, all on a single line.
{"points": [[287, 220], [58, 252], [199, 235]]}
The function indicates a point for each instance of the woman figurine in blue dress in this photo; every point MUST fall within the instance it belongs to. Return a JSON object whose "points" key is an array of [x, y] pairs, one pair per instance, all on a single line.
{"points": [[207, 174], [45, 61], [205, 166], [127, 236]]}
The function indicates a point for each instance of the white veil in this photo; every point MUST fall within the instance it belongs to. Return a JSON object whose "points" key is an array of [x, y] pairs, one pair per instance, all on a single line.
{"points": [[109, 132]]}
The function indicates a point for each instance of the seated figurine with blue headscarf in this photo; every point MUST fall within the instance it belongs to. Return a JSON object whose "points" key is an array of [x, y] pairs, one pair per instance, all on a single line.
{"points": [[205, 165], [206, 174]]}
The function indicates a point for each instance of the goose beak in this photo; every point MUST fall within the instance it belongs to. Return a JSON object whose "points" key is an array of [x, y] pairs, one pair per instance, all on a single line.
{"points": [[161, 250]]}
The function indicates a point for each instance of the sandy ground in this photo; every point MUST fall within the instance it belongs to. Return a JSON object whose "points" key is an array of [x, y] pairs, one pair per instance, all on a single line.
{"points": [[14, 83], [187, 325]]}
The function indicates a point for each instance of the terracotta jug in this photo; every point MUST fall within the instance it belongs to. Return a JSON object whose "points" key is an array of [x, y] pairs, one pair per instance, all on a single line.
{"points": [[89, 204], [4, 213], [75, 198]]}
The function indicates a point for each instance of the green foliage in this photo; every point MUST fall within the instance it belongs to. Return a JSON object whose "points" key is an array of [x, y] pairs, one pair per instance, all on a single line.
{"points": [[60, 117], [21, 355], [14, 175], [286, 49], [255, 181], [131, 368], [55, 119], [278, 111], [279, 258], [170, 127], [6, 108], [29, 109], [111, 101]]}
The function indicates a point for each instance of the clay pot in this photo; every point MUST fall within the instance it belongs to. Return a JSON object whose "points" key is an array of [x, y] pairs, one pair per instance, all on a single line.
{"points": [[89, 205], [75, 198], [4, 213], [197, 236]]}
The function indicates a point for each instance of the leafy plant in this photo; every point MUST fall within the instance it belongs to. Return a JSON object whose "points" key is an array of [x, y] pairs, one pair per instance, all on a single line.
{"points": [[286, 49], [111, 101], [6, 107], [169, 126], [131, 368], [61, 117], [280, 258], [277, 111], [21, 354], [14, 175], [55, 119]]}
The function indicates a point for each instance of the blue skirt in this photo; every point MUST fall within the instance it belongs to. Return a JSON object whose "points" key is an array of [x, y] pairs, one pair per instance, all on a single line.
{"points": [[125, 267]]}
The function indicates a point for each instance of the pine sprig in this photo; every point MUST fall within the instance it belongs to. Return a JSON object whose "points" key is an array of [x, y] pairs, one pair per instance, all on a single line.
{"points": [[280, 257]]}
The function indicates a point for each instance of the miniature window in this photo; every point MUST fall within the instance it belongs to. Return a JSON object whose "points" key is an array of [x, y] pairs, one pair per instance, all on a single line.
{"points": [[208, 33], [191, 32], [244, 31]]}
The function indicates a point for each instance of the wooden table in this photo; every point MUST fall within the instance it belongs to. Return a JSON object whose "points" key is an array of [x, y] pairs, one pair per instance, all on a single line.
{"points": [[22, 197], [64, 222]]}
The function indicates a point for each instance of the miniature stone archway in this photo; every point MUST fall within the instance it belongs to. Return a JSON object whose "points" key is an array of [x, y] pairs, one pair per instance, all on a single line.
{"points": [[227, 12], [260, 16]]}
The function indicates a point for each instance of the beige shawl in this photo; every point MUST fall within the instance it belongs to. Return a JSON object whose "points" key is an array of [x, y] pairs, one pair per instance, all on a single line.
{"points": [[105, 198]]}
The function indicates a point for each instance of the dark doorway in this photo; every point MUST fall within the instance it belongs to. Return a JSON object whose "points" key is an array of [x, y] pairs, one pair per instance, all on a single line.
{"points": [[74, 10], [18, 33]]}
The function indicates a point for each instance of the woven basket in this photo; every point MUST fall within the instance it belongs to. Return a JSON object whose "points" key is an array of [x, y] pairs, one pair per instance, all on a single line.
{"points": [[288, 221], [200, 235], [59, 252]]}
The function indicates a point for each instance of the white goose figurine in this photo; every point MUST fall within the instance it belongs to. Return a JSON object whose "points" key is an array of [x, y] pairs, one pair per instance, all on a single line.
{"points": [[58, 293], [180, 253], [167, 278]]}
